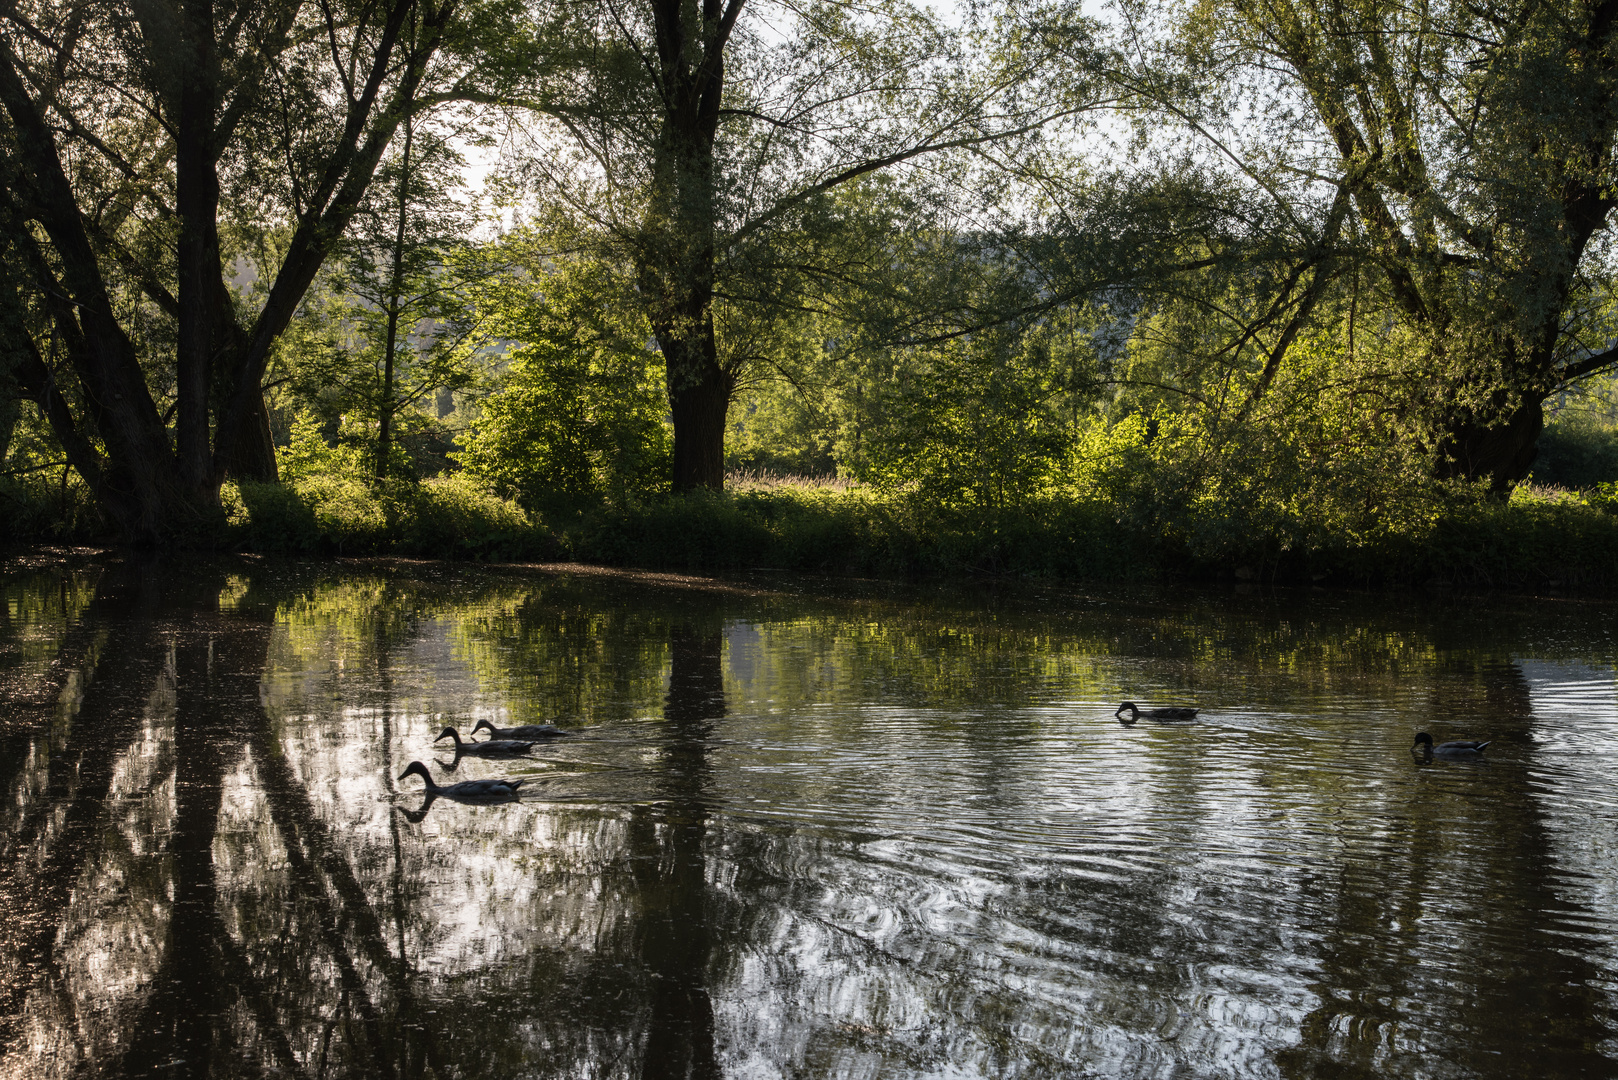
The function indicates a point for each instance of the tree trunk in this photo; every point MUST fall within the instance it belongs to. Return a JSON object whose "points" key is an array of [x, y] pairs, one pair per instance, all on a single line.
{"points": [[699, 399], [384, 405], [676, 261], [91, 380], [8, 416], [1502, 452], [250, 454], [138, 483], [200, 278], [1498, 443], [678, 269]]}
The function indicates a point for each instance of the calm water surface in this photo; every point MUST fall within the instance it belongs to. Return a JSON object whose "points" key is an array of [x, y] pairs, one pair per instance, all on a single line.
{"points": [[800, 829]]}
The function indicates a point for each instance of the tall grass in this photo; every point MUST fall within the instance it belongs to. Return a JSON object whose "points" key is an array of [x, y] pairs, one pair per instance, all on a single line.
{"points": [[1535, 540]]}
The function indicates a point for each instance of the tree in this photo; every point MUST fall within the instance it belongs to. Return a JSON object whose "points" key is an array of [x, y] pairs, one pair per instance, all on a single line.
{"points": [[1457, 163], [136, 143], [580, 412], [401, 272], [700, 143]]}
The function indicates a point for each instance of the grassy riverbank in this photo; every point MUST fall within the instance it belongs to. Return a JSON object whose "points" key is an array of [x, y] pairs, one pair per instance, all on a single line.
{"points": [[1539, 538]]}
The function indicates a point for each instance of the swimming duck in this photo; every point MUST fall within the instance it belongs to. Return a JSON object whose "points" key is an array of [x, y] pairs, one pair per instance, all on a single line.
{"points": [[526, 731], [1169, 712], [492, 747], [1458, 748], [466, 790]]}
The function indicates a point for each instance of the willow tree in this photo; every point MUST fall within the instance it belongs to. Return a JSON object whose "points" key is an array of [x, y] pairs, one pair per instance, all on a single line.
{"points": [[700, 144], [1457, 161], [149, 152]]}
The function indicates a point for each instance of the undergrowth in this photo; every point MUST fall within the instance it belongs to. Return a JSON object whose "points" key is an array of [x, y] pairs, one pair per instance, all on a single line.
{"points": [[1538, 538], [1541, 537]]}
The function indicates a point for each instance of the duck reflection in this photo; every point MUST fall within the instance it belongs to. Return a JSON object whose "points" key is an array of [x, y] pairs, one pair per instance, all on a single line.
{"points": [[207, 869], [523, 731]]}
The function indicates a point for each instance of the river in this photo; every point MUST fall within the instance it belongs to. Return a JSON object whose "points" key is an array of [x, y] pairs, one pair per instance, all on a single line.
{"points": [[797, 827]]}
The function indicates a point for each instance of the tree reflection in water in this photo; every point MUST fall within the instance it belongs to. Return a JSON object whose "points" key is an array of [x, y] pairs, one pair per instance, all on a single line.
{"points": [[791, 836], [1482, 870], [182, 1027], [87, 903], [667, 842], [125, 953]]}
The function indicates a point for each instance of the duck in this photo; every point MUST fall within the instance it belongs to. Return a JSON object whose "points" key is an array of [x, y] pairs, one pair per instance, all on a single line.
{"points": [[491, 747], [1168, 712], [1458, 748], [526, 731], [466, 790]]}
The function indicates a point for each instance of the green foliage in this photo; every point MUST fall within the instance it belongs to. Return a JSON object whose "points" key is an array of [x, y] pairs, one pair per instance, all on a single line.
{"points": [[774, 428], [1577, 450], [1449, 167], [1307, 467], [329, 503], [329, 367], [309, 455], [41, 499], [987, 434], [580, 415], [978, 424], [1527, 542]]}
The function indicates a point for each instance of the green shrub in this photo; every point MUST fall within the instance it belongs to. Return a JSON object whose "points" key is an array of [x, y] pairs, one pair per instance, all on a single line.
{"points": [[42, 501], [834, 529], [580, 415], [48, 506], [453, 517], [1529, 541], [443, 517], [1577, 450]]}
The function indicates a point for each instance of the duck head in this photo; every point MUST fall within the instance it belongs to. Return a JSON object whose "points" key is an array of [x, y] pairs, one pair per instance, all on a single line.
{"points": [[451, 733], [1134, 713], [480, 725], [416, 768], [1422, 737]]}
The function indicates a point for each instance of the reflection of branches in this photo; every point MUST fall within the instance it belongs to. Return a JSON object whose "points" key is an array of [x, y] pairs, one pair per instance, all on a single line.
{"points": [[34, 890], [308, 884], [239, 974], [396, 882], [317, 865], [177, 1019], [1363, 895]]}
